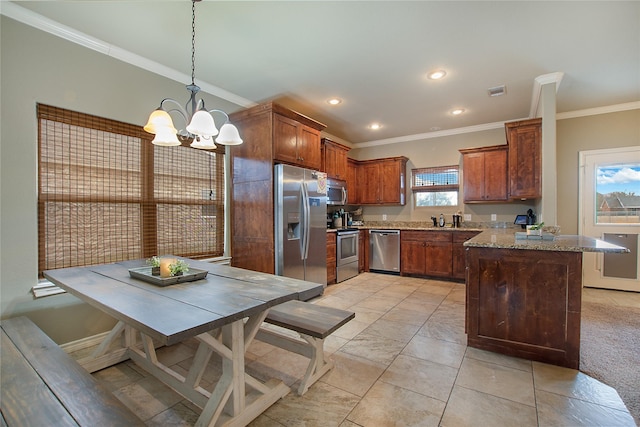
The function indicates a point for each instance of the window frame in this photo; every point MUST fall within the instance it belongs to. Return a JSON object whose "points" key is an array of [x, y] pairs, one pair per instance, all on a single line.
{"points": [[435, 187]]}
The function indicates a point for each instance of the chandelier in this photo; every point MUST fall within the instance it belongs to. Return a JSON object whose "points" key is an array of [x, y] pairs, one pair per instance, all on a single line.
{"points": [[200, 125]]}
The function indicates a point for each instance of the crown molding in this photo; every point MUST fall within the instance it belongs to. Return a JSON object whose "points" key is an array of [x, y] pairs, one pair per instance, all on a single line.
{"points": [[50, 26], [599, 110], [538, 82]]}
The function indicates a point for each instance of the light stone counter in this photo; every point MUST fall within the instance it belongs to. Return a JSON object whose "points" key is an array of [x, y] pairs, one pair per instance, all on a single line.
{"points": [[506, 239]]}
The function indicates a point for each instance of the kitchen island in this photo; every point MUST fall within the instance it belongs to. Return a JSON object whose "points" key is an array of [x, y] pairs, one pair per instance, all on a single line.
{"points": [[524, 296]]}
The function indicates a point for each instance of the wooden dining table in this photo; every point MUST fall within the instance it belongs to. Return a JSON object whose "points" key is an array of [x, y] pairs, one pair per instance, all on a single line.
{"points": [[223, 312]]}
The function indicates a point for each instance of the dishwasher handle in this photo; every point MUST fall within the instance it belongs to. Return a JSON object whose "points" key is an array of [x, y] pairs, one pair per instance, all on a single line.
{"points": [[385, 232]]}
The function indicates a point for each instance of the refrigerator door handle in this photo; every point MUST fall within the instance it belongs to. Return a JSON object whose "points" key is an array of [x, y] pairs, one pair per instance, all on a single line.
{"points": [[306, 220]]}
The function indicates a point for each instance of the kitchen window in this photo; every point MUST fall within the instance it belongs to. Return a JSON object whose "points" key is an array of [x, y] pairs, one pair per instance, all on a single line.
{"points": [[435, 186], [106, 194]]}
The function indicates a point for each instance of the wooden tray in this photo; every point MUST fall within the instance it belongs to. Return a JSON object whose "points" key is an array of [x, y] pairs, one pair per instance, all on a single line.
{"points": [[144, 273]]}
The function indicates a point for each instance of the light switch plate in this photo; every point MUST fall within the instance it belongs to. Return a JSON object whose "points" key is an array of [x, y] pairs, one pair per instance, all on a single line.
{"points": [[467, 217], [384, 217]]}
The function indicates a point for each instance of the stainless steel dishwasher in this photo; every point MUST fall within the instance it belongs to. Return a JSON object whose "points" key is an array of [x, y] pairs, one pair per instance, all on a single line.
{"points": [[384, 251]]}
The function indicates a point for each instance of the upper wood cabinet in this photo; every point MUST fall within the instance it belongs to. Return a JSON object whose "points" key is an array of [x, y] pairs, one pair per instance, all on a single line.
{"points": [[524, 139], [352, 182], [382, 181], [334, 159], [296, 143], [485, 174]]}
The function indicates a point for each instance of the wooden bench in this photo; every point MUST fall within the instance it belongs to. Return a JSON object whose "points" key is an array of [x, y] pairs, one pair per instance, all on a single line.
{"points": [[41, 385], [313, 323]]}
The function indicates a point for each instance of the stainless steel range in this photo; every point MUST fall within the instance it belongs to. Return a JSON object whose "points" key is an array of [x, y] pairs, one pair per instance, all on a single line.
{"points": [[346, 254]]}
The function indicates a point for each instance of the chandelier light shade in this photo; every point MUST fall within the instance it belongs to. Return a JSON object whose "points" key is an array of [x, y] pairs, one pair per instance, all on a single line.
{"points": [[200, 125]]}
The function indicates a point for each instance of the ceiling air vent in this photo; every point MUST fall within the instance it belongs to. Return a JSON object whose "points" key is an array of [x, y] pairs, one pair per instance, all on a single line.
{"points": [[497, 91]]}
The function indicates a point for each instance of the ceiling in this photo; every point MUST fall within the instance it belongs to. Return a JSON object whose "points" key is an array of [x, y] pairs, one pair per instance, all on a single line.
{"points": [[374, 55]]}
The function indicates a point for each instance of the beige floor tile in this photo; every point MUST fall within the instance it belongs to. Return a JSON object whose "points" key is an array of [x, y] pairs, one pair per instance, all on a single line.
{"points": [[557, 410], [352, 373], [147, 397], [472, 408], [444, 329], [387, 405], [117, 376], [380, 303], [402, 314], [421, 376], [438, 351], [499, 359], [281, 364], [322, 406], [366, 315], [374, 347], [351, 329], [178, 415], [393, 330], [497, 380], [571, 383]]}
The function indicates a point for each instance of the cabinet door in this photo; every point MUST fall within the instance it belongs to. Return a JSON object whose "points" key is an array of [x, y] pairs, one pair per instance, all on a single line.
{"points": [[525, 159], [412, 256], [285, 139], [473, 177], [341, 164], [391, 182], [438, 254], [331, 257], [495, 175], [309, 147], [369, 179], [458, 253], [329, 158], [352, 183]]}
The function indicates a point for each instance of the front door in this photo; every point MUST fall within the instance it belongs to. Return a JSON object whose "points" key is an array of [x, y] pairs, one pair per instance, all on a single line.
{"points": [[609, 210]]}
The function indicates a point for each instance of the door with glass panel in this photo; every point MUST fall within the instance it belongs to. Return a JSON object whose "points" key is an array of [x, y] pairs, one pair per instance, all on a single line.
{"points": [[610, 210]]}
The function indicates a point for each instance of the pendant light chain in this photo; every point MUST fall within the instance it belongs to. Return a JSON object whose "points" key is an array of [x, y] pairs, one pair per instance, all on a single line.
{"points": [[193, 42]]}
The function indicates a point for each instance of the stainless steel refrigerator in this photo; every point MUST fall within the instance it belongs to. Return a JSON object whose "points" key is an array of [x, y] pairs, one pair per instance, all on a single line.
{"points": [[301, 223]]}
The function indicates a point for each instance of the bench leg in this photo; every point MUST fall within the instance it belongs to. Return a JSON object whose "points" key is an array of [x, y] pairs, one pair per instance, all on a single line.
{"points": [[318, 366]]}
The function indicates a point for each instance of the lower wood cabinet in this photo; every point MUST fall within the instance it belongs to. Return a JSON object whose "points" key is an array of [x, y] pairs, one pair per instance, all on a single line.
{"points": [[331, 258], [426, 253], [434, 253], [458, 252]]}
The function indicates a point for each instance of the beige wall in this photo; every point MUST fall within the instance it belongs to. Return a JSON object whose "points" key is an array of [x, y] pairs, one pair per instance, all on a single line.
{"points": [[39, 68], [613, 130]]}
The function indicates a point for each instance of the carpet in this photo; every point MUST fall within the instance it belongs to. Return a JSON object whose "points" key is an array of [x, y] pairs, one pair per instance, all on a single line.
{"points": [[610, 350]]}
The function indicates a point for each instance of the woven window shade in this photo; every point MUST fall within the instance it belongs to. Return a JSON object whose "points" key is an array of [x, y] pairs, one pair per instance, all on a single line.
{"points": [[106, 194], [441, 178]]}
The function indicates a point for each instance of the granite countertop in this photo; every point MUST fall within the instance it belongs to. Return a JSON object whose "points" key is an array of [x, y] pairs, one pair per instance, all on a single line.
{"points": [[506, 239], [412, 225]]}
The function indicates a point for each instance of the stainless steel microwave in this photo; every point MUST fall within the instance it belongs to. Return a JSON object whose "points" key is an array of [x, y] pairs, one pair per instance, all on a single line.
{"points": [[336, 192]]}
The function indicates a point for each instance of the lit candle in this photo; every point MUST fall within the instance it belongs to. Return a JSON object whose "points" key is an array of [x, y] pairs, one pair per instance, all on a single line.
{"points": [[165, 271]]}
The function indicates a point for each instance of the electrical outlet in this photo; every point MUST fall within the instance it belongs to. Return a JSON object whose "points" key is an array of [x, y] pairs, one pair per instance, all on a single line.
{"points": [[384, 217], [494, 217], [467, 217]]}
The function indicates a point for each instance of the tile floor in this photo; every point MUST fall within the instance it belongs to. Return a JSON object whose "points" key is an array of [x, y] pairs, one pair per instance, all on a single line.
{"points": [[401, 362]]}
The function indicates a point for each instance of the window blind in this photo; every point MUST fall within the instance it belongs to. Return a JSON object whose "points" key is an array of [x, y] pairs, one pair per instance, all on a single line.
{"points": [[106, 194], [440, 178]]}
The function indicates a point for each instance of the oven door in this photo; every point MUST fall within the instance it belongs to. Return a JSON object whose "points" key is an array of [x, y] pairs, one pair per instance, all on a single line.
{"points": [[347, 247]]}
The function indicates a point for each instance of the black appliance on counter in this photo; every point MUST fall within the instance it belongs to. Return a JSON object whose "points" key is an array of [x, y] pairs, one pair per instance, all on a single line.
{"points": [[524, 220]]}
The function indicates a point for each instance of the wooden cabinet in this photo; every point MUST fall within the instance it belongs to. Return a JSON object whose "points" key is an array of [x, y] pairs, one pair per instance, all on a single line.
{"points": [[296, 143], [524, 139], [426, 253], [352, 182], [334, 159], [525, 303], [271, 133], [331, 257], [458, 253], [363, 251], [382, 181], [485, 174]]}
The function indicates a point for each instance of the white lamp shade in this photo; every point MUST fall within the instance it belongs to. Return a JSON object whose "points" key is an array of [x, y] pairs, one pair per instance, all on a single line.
{"points": [[202, 124], [166, 136], [203, 143], [159, 119], [229, 135]]}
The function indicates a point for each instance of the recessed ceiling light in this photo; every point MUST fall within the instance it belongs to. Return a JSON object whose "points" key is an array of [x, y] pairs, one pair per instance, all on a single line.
{"points": [[437, 74], [375, 126], [334, 101], [457, 111]]}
